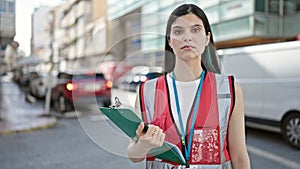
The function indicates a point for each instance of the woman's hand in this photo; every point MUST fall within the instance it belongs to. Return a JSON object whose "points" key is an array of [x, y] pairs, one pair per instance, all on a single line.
{"points": [[154, 137]]}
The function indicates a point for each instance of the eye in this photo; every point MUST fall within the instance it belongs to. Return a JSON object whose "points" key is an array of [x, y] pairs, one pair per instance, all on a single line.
{"points": [[177, 31], [195, 30]]}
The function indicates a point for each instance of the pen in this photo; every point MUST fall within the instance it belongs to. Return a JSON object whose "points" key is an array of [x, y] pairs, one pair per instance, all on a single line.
{"points": [[145, 129]]}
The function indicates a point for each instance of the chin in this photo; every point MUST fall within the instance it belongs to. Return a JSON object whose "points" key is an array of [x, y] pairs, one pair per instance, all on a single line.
{"points": [[189, 57]]}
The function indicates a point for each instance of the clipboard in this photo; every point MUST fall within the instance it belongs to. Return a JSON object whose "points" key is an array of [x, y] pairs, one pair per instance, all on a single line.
{"points": [[128, 122]]}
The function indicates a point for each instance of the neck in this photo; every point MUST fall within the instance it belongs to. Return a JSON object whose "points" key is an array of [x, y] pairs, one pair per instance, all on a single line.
{"points": [[188, 72]]}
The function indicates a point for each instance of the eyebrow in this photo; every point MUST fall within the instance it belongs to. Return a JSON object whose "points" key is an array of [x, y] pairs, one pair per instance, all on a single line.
{"points": [[197, 25], [174, 27]]}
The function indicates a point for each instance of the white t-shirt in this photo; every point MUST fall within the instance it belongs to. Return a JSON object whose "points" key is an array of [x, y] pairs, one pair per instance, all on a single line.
{"points": [[186, 94]]}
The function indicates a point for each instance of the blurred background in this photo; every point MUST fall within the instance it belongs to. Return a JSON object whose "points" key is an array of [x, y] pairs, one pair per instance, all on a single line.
{"points": [[65, 58], [91, 31]]}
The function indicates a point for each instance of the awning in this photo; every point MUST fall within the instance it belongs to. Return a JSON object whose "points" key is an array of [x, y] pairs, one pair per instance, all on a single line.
{"points": [[28, 61]]}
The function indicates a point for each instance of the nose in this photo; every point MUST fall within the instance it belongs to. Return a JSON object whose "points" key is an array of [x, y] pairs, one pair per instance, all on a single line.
{"points": [[187, 38]]}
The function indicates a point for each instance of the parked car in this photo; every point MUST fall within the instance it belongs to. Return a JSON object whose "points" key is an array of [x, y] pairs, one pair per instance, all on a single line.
{"points": [[270, 77], [3, 67], [80, 88], [27, 77], [38, 86], [137, 76]]}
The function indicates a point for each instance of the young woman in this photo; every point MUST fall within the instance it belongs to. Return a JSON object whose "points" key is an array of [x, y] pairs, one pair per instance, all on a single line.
{"points": [[192, 106]]}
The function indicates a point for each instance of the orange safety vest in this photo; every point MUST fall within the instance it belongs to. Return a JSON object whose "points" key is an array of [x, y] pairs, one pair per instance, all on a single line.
{"points": [[209, 142]]}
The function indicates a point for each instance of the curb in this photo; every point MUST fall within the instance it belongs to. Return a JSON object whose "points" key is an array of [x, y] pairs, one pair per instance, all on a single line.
{"points": [[50, 124]]}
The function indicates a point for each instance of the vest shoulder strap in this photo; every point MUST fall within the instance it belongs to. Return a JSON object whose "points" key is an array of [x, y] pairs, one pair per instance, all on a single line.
{"points": [[222, 82], [225, 88], [147, 96]]}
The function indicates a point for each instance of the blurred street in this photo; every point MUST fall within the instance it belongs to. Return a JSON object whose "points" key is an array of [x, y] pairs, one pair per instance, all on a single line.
{"points": [[89, 140], [32, 140], [17, 114]]}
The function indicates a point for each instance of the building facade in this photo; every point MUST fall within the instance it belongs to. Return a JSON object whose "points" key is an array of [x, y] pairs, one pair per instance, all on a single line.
{"points": [[73, 36], [87, 32], [124, 29], [39, 32], [234, 23], [84, 41], [7, 22]]}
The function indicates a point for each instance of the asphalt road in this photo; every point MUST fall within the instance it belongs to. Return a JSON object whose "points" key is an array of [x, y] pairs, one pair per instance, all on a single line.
{"points": [[66, 146], [268, 150]]}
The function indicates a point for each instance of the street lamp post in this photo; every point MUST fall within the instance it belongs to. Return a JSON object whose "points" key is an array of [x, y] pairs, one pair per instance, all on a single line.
{"points": [[50, 79]]}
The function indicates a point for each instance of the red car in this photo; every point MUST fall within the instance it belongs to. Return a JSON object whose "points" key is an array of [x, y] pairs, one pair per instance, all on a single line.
{"points": [[80, 88]]}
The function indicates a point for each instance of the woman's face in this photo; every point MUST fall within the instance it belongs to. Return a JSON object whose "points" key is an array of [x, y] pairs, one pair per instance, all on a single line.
{"points": [[188, 38]]}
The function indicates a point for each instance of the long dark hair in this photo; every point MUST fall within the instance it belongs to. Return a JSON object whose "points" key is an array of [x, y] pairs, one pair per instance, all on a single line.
{"points": [[209, 59]]}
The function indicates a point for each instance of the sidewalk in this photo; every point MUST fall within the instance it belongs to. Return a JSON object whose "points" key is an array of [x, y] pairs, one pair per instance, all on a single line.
{"points": [[16, 114]]}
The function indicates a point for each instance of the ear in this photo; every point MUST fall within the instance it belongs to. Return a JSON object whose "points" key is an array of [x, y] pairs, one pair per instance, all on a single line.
{"points": [[207, 39], [169, 43]]}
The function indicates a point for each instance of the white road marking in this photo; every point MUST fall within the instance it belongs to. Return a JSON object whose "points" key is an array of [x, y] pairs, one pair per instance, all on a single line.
{"points": [[98, 118], [278, 159]]}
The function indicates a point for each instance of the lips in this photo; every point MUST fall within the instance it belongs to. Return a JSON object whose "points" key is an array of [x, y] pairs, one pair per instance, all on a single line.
{"points": [[187, 47]]}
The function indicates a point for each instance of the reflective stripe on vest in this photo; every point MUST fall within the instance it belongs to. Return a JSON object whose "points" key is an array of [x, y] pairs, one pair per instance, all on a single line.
{"points": [[161, 165], [210, 134]]}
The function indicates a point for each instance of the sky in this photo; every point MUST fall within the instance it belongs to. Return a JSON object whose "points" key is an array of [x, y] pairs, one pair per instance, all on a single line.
{"points": [[24, 9]]}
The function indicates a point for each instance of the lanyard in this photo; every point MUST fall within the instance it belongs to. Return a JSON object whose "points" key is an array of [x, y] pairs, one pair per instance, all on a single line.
{"points": [[187, 150]]}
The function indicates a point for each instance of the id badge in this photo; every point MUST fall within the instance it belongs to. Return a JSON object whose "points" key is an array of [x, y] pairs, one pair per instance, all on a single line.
{"points": [[206, 146]]}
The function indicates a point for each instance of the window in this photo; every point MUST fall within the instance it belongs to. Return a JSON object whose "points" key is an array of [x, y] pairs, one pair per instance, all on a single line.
{"points": [[2, 6], [7, 6], [274, 7], [11, 7], [213, 14], [64, 76], [236, 9], [291, 7], [260, 5]]}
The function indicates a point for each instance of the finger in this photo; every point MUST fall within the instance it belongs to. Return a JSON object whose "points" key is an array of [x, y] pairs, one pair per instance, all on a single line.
{"points": [[158, 138], [162, 139], [153, 138], [151, 129], [157, 132], [139, 130]]}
